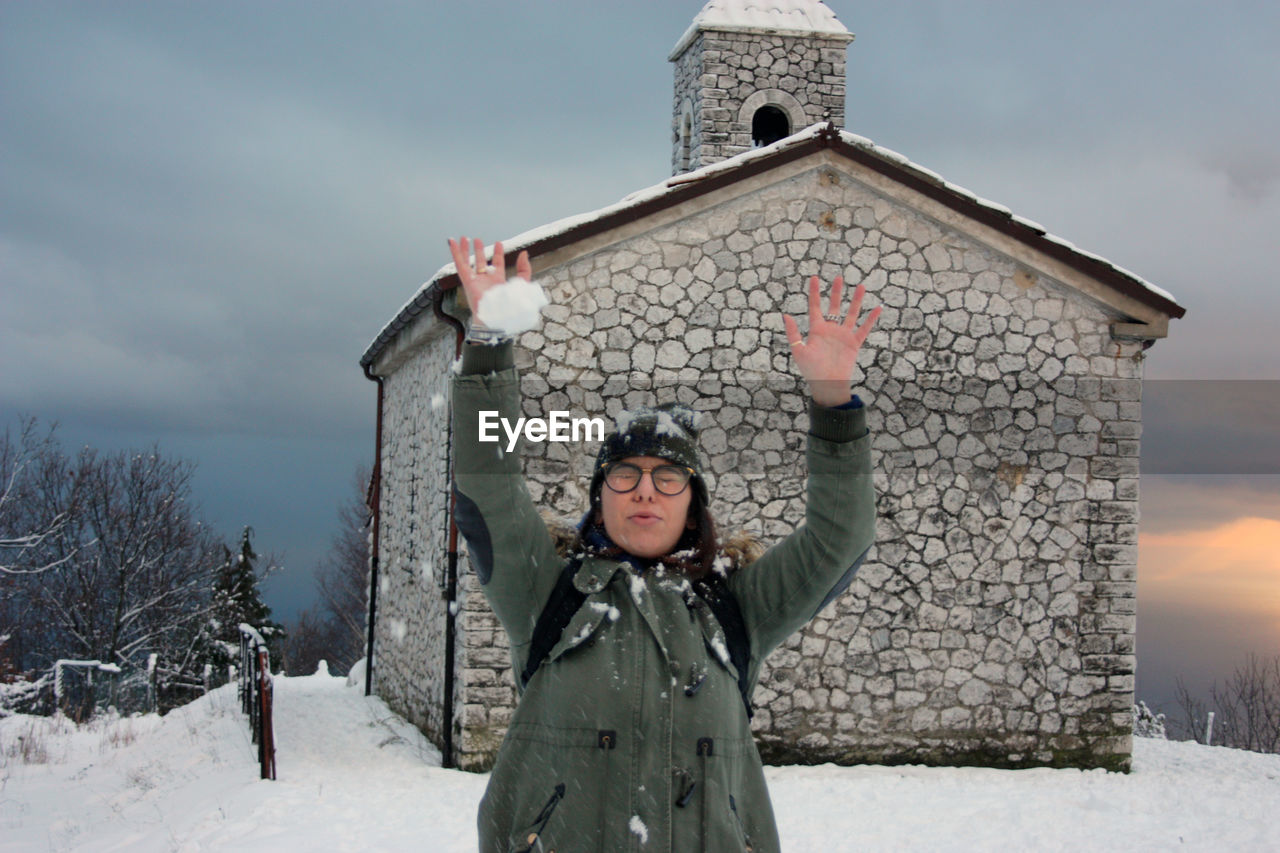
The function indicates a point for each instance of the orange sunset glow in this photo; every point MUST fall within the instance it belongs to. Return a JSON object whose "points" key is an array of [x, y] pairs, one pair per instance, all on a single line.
{"points": [[1232, 566]]}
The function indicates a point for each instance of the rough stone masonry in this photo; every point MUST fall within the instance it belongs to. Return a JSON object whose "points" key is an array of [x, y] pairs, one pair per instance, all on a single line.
{"points": [[993, 622], [723, 78]]}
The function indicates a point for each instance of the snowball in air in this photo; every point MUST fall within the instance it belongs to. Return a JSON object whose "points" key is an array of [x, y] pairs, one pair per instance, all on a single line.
{"points": [[512, 307]]}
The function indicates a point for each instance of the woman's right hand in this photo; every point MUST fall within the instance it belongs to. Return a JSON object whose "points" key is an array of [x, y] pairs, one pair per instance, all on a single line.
{"points": [[480, 277]]}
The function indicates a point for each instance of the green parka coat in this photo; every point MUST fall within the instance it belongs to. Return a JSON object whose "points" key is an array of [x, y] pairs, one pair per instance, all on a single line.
{"points": [[632, 735]]}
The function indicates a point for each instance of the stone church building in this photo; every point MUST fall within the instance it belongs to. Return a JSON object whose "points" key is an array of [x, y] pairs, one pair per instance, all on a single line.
{"points": [[993, 622]]}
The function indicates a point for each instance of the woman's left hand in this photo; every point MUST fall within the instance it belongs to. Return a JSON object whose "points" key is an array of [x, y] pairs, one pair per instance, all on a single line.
{"points": [[828, 358]]}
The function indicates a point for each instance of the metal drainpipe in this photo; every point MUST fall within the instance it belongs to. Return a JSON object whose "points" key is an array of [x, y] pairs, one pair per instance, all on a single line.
{"points": [[451, 565], [375, 506]]}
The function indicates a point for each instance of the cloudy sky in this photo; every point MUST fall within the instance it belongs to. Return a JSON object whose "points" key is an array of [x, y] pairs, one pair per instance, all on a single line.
{"points": [[207, 212]]}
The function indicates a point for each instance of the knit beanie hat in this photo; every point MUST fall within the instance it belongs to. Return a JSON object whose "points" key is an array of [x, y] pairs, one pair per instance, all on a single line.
{"points": [[667, 431]]}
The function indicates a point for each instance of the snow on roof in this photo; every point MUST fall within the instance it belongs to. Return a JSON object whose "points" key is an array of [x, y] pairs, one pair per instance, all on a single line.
{"points": [[421, 300], [801, 17]]}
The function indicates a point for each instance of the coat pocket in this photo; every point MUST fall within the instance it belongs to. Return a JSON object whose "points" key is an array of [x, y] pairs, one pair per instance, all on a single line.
{"points": [[560, 781], [529, 838], [724, 821]]}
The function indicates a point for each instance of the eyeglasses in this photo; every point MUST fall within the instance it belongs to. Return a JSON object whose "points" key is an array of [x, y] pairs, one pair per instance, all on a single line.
{"points": [[670, 480]]}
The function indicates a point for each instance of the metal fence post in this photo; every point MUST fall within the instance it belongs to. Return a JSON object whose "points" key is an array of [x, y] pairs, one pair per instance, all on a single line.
{"points": [[256, 694]]}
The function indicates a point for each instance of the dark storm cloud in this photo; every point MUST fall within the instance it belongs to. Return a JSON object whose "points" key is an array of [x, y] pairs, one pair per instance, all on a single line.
{"points": [[1139, 131], [1198, 644], [1211, 427], [219, 206], [211, 209], [1179, 503], [1252, 170]]}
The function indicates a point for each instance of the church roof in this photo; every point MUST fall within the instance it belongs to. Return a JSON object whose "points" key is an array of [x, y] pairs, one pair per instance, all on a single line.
{"points": [[791, 17], [680, 188]]}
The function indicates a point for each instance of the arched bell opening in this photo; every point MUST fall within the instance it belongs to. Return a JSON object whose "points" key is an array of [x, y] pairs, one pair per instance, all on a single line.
{"points": [[768, 125]]}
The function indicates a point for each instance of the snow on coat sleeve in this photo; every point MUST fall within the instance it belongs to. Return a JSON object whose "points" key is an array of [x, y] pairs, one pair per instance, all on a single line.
{"points": [[511, 550], [800, 575]]}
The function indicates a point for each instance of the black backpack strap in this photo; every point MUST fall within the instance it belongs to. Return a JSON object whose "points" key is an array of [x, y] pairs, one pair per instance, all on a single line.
{"points": [[564, 601], [724, 607]]}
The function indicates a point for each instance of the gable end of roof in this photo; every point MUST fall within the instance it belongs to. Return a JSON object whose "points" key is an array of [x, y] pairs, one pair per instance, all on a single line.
{"points": [[890, 164]]}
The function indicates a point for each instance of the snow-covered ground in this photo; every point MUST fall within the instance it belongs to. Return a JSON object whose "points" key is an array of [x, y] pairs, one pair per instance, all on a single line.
{"points": [[354, 776]]}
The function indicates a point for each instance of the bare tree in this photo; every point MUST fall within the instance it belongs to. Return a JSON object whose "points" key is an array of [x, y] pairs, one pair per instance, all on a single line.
{"points": [[28, 527], [1193, 724], [335, 630], [130, 567], [39, 491], [146, 576], [343, 581], [1246, 709], [313, 638]]}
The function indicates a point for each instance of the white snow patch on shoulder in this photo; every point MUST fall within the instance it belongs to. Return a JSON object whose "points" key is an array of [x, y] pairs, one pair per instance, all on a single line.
{"points": [[717, 646], [608, 609]]}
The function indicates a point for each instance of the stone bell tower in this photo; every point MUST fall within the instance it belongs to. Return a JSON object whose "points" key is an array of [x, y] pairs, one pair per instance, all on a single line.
{"points": [[750, 72]]}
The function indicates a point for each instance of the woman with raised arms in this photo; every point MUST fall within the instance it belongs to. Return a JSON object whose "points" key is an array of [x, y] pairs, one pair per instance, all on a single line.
{"points": [[636, 648]]}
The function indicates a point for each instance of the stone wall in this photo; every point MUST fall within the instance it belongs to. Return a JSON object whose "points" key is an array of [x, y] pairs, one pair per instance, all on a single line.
{"points": [[487, 688], [722, 78], [993, 622], [410, 623]]}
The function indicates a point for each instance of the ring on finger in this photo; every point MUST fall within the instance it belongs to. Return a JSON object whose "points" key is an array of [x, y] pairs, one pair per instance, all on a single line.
{"points": [[831, 318]]}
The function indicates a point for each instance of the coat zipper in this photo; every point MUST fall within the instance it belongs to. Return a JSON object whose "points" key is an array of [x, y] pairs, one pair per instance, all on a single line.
{"points": [[540, 822], [746, 837], [706, 746], [606, 739]]}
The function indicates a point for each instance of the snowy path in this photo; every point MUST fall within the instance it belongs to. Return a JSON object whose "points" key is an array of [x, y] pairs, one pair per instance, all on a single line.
{"points": [[353, 776]]}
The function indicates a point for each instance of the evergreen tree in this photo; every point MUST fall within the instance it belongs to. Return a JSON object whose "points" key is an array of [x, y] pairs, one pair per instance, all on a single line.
{"points": [[236, 600]]}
